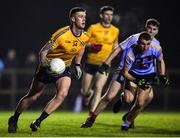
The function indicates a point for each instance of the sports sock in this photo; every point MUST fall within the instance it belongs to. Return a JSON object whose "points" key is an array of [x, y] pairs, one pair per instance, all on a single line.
{"points": [[16, 116], [43, 116], [92, 115]]}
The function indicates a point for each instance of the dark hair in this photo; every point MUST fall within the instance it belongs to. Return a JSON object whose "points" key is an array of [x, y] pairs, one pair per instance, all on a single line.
{"points": [[74, 10], [106, 8], [152, 21], [144, 35]]}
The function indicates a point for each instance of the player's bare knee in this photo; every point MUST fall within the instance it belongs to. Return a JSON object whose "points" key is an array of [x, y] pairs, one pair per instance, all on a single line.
{"points": [[108, 98], [140, 104], [62, 95], [128, 99], [150, 97], [33, 98]]}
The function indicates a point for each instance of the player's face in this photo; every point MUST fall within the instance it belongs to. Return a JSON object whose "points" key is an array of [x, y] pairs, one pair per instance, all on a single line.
{"points": [[144, 44], [107, 16], [80, 19], [152, 30]]}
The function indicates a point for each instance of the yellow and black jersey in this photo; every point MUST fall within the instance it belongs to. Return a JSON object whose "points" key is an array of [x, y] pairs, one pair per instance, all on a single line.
{"points": [[66, 45], [107, 37]]}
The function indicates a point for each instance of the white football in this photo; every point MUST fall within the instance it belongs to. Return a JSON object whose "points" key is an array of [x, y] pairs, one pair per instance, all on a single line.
{"points": [[57, 65]]}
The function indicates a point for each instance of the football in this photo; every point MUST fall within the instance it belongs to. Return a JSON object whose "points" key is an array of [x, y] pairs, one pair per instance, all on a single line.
{"points": [[57, 66]]}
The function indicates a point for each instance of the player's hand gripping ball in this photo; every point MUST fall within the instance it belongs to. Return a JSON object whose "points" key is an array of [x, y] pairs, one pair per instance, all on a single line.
{"points": [[56, 66]]}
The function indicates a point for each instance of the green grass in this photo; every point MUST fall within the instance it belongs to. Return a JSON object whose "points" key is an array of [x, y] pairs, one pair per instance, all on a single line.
{"points": [[60, 124]]}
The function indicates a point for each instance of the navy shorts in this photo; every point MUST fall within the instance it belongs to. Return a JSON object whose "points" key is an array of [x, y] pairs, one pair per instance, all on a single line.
{"points": [[42, 75], [91, 69], [119, 77], [149, 77]]}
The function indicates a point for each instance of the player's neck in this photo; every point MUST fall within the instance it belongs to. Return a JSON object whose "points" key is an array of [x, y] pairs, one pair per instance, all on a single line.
{"points": [[76, 31], [105, 25]]}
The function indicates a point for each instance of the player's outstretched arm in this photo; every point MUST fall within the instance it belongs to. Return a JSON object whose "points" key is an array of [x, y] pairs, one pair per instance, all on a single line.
{"points": [[163, 77], [105, 67], [113, 54]]}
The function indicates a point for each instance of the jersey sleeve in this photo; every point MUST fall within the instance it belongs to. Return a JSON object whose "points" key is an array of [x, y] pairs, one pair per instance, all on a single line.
{"points": [[128, 42], [54, 43], [89, 31], [129, 59], [116, 39], [159, 54], [56, 37], [117, 36]]}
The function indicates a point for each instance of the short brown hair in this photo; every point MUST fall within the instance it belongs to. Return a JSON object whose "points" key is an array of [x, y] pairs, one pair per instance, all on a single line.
{"points": [[74, 10], [152, 21], [144, 35], [106, 8]]}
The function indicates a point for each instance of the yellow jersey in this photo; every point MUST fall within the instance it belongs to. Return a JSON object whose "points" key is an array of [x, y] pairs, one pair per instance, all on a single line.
{"points": [[107, 37], [66, 45]]}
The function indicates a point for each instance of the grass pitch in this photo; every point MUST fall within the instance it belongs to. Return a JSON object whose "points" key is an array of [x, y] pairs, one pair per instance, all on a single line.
{"points": [[67, 124]]}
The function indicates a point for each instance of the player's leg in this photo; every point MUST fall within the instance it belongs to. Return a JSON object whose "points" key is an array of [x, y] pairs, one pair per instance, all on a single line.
{"points": [[87, 82], [129, 93], [62, 86], [137, 107], [126, 97], [129, 96], [100, 80], [34, 92], [150, 97], [108, 96]]}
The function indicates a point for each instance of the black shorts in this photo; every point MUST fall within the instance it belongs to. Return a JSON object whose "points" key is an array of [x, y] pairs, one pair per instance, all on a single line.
{"points": [[91, 69], [42, 75], [149, 78]]}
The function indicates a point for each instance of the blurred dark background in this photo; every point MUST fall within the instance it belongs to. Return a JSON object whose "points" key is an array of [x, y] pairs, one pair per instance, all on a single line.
{"points": [[26, 25]]}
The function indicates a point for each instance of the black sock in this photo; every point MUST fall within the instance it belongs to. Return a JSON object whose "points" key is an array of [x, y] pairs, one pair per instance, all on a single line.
{"points": [[92, 115], [43, 116], [16, 116]]}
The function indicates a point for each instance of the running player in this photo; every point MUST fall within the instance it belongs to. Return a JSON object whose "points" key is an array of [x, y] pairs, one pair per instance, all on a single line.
{"points": [[103, 39], [140, 68], [152, 26], [67, 43]]}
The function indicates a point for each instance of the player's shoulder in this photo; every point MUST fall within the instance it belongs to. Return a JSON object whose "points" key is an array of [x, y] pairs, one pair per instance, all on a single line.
{"points": [[133, 37], [85, 35], [96, 25], [114, 28], [136, 36], [60, 32], [154, 40], [63, 29], [130, 52], [155, 44]]}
